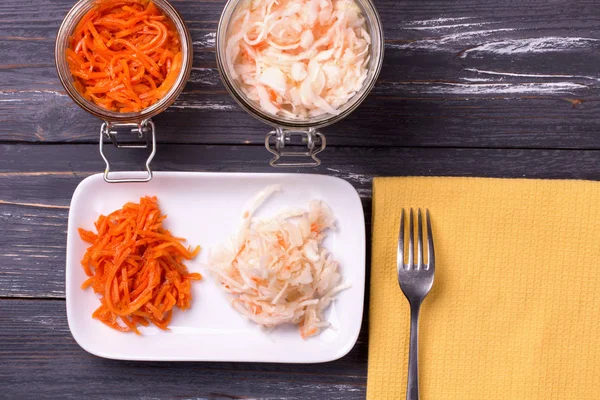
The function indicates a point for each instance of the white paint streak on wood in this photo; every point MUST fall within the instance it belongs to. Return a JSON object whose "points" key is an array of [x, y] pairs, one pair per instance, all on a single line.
{"points": [[357, 178], [204, 105], [44, 173], [51, 322], [433, 22], [450, 42], [477, 79], [365, 192], [205, 76], [37, 223], [465, 36], [30, 255], [208, 40], [36, 245], [37, 251], [16, 96], [446, 27], [531, 45], [33, 204], [444, 88], [514, 74], [49, 216]]}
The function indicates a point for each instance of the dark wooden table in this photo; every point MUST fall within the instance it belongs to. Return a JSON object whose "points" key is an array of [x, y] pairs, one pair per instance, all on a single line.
{"points": [[468, 88]]}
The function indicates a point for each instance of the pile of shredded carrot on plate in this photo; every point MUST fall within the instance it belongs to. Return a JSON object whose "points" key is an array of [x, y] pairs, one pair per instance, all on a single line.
{"points": [[125, 55], [137, 267]]}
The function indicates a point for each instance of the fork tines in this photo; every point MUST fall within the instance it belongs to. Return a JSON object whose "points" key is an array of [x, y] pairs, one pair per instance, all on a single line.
{"points": [[417, 264]]}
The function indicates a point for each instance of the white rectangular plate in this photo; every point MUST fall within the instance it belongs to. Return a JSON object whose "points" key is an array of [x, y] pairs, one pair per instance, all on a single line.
{"points": [[205, 208]]}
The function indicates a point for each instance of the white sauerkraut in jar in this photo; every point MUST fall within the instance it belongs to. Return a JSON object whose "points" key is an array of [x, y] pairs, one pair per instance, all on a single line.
{"points": [[298, 59]]}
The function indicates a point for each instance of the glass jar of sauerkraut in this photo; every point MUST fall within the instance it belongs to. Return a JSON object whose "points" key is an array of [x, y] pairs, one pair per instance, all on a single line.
{"points": [[299, 65], [121, 120]]}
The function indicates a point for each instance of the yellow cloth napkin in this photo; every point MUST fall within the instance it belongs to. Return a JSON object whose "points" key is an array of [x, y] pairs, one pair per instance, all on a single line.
{"points": [[514, 312]]}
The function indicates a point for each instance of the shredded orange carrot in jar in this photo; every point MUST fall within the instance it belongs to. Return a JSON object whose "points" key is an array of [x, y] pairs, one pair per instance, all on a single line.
{"points": [[124, 55], [137, 267]]}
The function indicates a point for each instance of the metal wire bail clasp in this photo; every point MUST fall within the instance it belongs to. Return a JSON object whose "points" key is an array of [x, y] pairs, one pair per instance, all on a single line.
{"points": [[143, 130], [276, 141]]}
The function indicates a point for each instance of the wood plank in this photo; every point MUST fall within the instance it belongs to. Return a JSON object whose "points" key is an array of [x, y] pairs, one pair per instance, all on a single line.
{"points": [[469, 74], [37, 182], [46, 362], [55, 170]]}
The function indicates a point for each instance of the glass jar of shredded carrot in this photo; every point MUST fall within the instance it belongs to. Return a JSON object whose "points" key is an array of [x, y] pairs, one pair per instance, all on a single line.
{"points": [[123, 60]]}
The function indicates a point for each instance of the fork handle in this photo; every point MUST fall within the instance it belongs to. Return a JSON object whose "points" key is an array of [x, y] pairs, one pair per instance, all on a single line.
{"points": [[412, 390]]}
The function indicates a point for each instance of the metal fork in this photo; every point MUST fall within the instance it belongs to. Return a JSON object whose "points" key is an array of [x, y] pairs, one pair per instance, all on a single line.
{"points": [[415, 279]]}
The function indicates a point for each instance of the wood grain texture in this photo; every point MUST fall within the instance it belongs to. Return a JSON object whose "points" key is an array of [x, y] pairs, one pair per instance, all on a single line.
{"points": [[468, 88], [46, 363], [471, 73], [34, 196]]}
